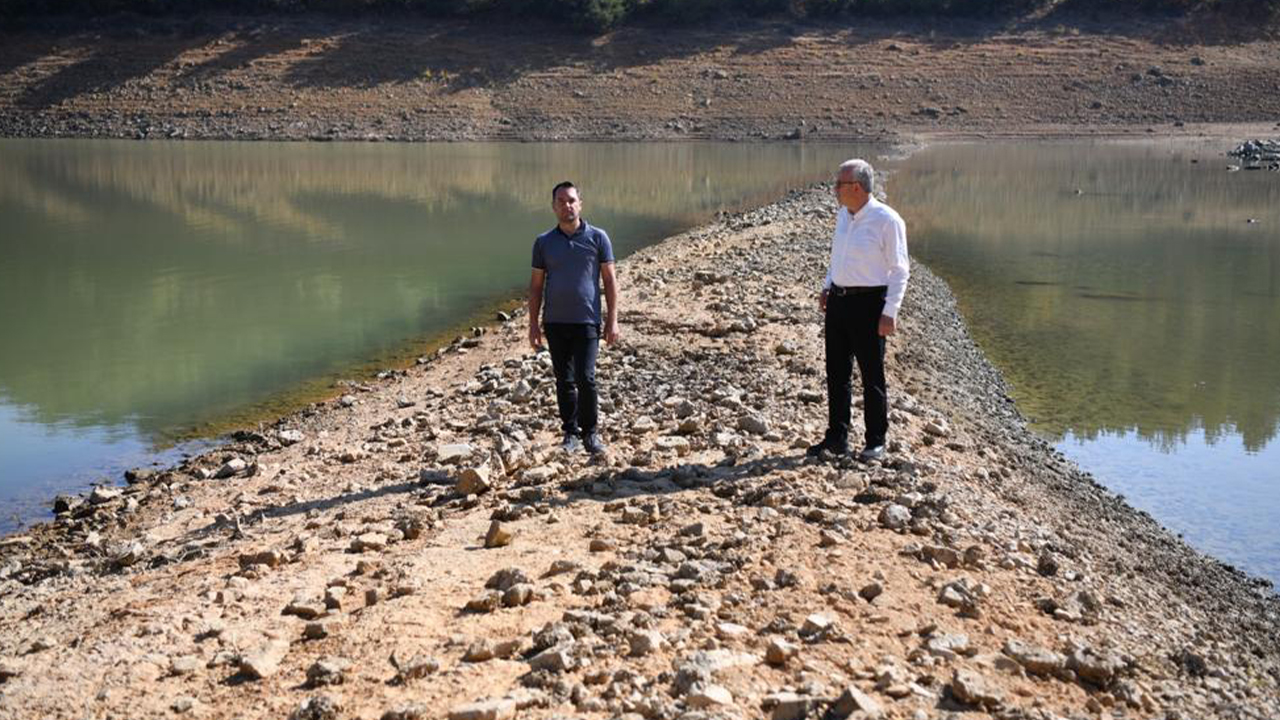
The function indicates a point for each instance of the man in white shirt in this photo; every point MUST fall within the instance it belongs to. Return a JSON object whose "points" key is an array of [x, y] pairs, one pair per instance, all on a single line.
{"points": [[863, 291]]}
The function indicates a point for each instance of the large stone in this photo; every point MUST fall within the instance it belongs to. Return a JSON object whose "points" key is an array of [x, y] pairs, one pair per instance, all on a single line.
{"points": [[414, 711], [264, 661], [498, 535], [10, 669], [754, 424], [816, 624], [305, 605], [234, 466], [854, 700], [454, 453], [290, 437], [556, 659], [486, 601], [507, 578], [779, 651], [319, 707], [369, 542], [669, 443], [973, 689], [502, 709], [1035, 659], [643, 642], [894, 516], [518, 596], [1099, 668], [790, 706], [473, 481], [103, 494], [327, 671], [709, 696]]}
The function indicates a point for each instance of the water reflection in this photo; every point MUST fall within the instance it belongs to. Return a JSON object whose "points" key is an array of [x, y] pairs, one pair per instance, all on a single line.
{"points": [[149, 287], [1136, 311], [1120, 287]]}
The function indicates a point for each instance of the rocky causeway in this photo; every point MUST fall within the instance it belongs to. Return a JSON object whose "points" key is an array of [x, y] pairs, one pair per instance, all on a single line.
{"points": [[419, 547]]}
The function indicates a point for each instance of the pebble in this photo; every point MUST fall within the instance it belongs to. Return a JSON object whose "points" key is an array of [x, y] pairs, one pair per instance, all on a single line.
{"points": [[498, 535], [317, 707], [779, 651], [709, 696], [265, 660], [972, 688], [894, 517], [454, 453], [327, 671], [473, 481], [854, 700]]}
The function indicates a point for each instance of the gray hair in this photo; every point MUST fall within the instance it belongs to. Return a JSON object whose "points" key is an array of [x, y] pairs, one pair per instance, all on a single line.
{"points": [[861, 172]]}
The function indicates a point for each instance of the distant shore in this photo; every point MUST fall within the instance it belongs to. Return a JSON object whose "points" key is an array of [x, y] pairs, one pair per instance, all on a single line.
{"points": [[706, 564], [321, 79]]}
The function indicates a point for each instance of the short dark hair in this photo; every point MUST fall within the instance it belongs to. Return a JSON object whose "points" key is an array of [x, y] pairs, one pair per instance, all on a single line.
{"points": [[562, 186]]}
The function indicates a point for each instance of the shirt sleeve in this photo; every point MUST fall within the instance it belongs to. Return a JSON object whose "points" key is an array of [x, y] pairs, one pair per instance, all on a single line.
{"points": [[539, 262], [606, 248], [899, 264], [841, 218]]}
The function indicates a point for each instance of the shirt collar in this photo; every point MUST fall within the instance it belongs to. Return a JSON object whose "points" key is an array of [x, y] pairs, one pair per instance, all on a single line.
{"points": [[871, 202], [582, 228]]}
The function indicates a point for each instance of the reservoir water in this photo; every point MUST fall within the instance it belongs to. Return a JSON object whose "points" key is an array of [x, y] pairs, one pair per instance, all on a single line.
{"points": [[1130, 293], [155, 291]]}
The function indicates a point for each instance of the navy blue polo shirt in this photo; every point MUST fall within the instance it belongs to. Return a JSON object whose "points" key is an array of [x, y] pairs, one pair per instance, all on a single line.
{"points": [[572, 290]]}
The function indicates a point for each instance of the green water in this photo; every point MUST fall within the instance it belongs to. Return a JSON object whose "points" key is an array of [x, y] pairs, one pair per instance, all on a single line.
{"points": [[147, 289], [1135, 309]]}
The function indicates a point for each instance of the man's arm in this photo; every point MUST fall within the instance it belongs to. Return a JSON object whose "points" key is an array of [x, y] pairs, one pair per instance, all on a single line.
{"points": [[611, 298], [895, 250], [536, 281]]}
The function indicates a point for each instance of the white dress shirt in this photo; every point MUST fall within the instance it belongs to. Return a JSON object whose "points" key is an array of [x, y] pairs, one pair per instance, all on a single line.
{"points": [[869, 249]]}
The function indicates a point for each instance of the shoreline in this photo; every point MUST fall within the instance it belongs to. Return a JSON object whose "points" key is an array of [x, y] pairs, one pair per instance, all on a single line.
{"points": [[707, 399]]}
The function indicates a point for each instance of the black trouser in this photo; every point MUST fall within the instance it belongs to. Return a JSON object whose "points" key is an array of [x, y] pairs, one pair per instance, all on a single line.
{"points": [[852, 329], [573, 360]]}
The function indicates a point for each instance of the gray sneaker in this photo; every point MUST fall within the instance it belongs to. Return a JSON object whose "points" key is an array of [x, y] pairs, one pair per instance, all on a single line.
{"points": [[571, 443], [593, 444]]}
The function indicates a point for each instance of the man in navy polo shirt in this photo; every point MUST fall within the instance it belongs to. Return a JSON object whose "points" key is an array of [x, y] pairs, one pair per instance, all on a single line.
{"points": [[569, 261]]}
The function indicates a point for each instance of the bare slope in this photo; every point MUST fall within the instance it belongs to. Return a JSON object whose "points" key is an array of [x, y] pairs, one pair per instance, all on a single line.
{"points": [[413, 79]]}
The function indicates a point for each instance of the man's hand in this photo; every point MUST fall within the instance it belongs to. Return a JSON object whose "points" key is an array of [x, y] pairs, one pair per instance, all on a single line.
{"points": [[887, 326], [535, 335], [822, 301], [611, 333]]}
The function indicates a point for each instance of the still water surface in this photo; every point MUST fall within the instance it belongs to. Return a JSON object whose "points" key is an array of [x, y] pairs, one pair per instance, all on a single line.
{"points": [[1124, 292], [147, 289]]}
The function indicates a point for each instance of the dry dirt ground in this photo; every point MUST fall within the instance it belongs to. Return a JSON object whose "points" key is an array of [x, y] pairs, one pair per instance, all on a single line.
{"points": [[420, 548], [416, 79]]}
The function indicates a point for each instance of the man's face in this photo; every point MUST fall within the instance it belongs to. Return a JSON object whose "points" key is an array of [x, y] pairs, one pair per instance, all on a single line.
{"points": [[567, 205], [848, 192]]}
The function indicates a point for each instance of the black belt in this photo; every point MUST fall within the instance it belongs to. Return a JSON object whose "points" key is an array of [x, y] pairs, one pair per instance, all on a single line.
{"points": [[856, 290]]}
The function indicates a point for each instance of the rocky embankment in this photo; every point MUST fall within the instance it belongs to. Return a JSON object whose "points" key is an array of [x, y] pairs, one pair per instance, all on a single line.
{"points": [[1257, 155], [419, 548]]}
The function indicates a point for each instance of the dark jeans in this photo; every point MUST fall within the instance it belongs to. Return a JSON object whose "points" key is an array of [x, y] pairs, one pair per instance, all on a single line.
{"points": [[573, 360], [852, 329]]}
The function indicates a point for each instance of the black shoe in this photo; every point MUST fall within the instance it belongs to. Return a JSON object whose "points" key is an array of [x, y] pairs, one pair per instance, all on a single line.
{"points": [[871, 452], [571, 443], [827, 447], [592, 442]]}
